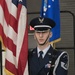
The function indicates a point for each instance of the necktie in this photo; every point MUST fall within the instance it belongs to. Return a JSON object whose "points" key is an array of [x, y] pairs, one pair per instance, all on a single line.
{"points": [[40, 57]]}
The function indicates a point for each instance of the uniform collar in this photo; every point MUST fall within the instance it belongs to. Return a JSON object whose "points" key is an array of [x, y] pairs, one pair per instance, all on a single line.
{"points": [[44, 51]]}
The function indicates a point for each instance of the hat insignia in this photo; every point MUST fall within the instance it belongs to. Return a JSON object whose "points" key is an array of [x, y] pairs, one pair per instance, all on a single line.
{"points": [[41, 20]]}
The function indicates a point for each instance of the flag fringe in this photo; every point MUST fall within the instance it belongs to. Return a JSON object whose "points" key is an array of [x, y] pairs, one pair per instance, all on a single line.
{"points": [[53, 42], [57, 40], [3, 47], [8, 72]]}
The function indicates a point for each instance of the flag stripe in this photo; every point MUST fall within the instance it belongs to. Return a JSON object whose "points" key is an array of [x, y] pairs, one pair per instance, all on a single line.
{"points": [[13, 16], [13, 10], [14, 21], [12, 35], [10, 66], [4, 38], [26, 70], [3, 22], [21, 30], [12, 57], [20, 33], [19, 11], [24, 49], [23, 52], [11, 46], [6, 13]]}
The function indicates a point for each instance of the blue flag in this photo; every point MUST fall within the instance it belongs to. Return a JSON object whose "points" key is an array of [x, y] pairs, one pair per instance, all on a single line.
{"points": [[50, 9]]}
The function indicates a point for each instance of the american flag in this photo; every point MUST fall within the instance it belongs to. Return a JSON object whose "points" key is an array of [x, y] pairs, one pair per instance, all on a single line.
{"points": [[14, 36]]}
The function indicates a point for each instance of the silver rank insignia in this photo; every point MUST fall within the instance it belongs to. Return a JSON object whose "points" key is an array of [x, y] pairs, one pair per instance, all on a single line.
{"points": [[64, 65]]}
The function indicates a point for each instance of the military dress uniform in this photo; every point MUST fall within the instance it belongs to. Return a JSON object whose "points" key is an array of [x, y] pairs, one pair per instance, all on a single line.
{"points": [[54, 62]]}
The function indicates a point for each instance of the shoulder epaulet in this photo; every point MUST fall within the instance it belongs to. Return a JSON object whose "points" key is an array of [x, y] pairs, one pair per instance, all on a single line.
{"points": [[30, 52]]}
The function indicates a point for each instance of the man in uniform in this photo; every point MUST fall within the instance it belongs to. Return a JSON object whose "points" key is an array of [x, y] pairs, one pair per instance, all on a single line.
{"points": [[44, 59]]}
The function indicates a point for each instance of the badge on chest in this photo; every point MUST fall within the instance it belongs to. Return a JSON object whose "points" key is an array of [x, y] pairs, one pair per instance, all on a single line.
{"points": [[48, 65]]}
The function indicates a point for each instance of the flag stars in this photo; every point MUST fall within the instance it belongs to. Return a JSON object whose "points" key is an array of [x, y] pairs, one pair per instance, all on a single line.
{"points": [[49, 6], [53, 0], [45, 9], [44, 14]]}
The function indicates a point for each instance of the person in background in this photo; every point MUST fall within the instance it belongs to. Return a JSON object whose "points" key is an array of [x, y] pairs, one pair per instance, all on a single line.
{"points": [[44, 59]]}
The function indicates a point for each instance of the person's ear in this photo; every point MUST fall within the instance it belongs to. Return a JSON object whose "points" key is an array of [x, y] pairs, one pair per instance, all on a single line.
{"points": [[34, 36], [50, 34]]}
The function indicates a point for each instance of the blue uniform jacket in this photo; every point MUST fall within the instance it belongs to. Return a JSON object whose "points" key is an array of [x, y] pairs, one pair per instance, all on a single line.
{"points": [[54, 63]]}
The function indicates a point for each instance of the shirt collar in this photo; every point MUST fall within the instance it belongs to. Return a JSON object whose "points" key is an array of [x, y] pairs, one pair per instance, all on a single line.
{"points": [[44, 51]]}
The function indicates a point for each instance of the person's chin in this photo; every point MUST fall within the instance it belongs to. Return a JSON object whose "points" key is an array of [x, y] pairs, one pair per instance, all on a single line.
{"points": [[41, 43]]}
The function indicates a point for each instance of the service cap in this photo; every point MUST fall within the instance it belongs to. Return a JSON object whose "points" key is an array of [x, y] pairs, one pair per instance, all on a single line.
{"points": [[42, 23]]}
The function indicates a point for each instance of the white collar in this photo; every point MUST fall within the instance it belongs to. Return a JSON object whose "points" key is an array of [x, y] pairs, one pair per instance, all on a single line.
{"points": [[44, 51]]}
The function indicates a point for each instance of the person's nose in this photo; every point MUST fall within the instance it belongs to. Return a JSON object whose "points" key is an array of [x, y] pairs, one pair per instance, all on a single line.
{"points": [[41, 34]]}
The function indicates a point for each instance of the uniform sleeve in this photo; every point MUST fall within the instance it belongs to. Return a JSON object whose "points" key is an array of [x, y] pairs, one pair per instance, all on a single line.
{"points": [[62, 64]]}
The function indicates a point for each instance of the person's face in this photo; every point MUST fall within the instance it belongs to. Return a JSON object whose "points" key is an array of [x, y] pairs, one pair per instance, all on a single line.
{"points": [[42, 38]]}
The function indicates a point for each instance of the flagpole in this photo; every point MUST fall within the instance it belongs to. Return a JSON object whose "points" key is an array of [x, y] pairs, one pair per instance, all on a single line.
{"points": [[1, 58]]}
